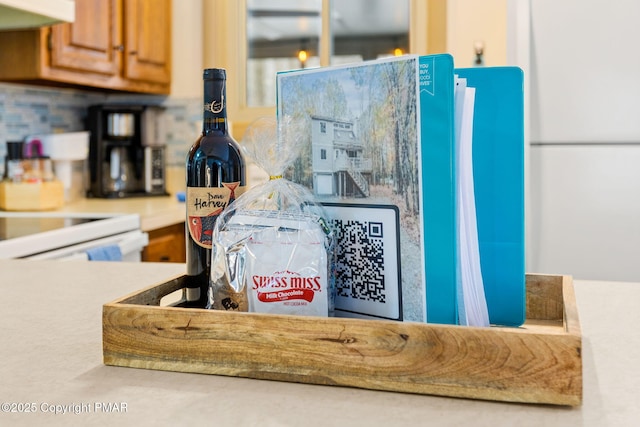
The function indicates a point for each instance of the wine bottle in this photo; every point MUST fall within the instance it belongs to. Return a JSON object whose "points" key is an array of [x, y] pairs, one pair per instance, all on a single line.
{"points": [[215, 173]]}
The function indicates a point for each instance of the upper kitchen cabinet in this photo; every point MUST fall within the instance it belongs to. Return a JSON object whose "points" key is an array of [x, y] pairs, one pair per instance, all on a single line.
{"points": [[88, 45], [148, 40], [120, 45]]}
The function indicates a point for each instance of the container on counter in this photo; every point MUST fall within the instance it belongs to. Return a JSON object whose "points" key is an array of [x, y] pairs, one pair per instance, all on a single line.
{"points": [[68, 153]]}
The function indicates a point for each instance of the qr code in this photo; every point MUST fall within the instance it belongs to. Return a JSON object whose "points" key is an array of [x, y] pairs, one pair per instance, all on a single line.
{"points": [[360, 260], [367, 265]]}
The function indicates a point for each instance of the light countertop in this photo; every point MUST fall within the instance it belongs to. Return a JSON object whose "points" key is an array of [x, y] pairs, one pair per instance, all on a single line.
{"points": [[51, 354], [155, 211]]}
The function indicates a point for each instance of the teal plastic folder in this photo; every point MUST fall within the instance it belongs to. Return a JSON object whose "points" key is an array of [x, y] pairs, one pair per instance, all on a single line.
{"points": [[498, 163], [438, 186]]}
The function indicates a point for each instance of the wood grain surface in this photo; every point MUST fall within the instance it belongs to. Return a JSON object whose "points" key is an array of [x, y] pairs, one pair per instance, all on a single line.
{"points": [[539, 362]]}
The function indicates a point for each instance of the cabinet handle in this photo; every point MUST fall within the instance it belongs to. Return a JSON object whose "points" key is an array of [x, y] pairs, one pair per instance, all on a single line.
{"points": [[119, 48], [133, 52]]}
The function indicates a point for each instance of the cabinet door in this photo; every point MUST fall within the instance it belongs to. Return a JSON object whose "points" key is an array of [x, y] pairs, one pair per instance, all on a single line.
{"points": [[166, 245], [148, 40], [93, 42]]}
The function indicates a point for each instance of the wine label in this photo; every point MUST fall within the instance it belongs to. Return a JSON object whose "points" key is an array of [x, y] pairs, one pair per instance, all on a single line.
{"points": [[204, 205]]}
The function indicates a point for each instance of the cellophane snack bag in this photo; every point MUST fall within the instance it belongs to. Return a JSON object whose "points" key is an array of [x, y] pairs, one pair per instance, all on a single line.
{"points": [[273, 251]]}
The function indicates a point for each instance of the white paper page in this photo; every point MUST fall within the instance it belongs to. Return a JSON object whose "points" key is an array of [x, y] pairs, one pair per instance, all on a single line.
{"points": [[459, 94], [474, 301]]}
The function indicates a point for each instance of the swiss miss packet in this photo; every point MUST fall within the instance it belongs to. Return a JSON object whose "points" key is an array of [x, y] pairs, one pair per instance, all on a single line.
{"points": [[273, 250]]}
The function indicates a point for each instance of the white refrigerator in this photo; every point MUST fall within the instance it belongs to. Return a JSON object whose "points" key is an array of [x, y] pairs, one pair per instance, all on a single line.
{"points": [[583, 205]]}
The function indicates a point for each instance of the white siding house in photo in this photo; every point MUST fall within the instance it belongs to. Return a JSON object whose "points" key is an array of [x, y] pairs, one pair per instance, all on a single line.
{"points": [[339, 166]]}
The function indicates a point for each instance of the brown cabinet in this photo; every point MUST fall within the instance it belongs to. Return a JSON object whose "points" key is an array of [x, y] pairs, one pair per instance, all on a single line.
{"points": [[166, 244], [113, 44]]}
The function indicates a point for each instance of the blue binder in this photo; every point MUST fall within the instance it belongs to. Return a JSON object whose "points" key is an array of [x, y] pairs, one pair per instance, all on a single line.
{"points": [[438, 186], [498, 144], [498, 162]]}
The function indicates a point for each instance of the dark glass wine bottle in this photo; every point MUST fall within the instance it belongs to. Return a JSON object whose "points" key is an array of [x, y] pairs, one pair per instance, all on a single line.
{"points": [[215, 177]]}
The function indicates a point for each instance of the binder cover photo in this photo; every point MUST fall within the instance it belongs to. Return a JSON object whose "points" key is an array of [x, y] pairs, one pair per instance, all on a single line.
{"points": [[381, 133]]}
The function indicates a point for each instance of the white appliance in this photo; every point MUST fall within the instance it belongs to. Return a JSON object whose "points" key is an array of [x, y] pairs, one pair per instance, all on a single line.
{"points": [[584, 204], [67, 236]]}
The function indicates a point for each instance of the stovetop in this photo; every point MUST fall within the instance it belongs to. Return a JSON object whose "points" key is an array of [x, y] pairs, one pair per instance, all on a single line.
{"points": [[13, 227], [27, 233]]}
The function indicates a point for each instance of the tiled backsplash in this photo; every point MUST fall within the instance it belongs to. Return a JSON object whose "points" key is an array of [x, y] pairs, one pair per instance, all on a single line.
{"points": [[28, 110]]}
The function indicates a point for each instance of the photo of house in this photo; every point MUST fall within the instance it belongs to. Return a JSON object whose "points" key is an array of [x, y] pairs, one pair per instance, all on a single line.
{"points": [[340, 167], [360, 145]]}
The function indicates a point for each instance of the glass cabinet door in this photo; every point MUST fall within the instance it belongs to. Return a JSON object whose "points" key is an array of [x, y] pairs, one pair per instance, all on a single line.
{"points": [[292, 34], [363, 29], [281, 35], [254, 39]]}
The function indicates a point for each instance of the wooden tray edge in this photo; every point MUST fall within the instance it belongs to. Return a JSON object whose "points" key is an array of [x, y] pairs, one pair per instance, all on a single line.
{"points": [[333, 337]]}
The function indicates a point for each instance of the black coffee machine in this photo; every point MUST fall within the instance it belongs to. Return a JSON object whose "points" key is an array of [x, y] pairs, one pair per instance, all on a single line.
{"points": [[126, 151]]}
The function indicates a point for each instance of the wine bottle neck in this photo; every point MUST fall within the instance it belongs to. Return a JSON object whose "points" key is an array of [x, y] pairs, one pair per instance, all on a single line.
{"points": [[215, 106]]}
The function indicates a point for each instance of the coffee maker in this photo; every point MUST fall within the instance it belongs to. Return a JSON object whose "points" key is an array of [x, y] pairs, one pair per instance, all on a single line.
{"points": [[126, 151]]}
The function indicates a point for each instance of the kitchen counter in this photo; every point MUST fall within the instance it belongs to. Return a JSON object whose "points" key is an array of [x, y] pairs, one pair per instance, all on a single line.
{"points": [[155, 211], [51, 357]]}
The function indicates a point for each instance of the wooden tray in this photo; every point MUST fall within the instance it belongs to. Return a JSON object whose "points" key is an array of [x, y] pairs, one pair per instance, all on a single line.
{"points": [[539, 362]]}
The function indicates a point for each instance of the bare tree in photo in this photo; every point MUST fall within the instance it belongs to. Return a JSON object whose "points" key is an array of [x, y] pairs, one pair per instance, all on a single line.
{"points": [[400, 87]]}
